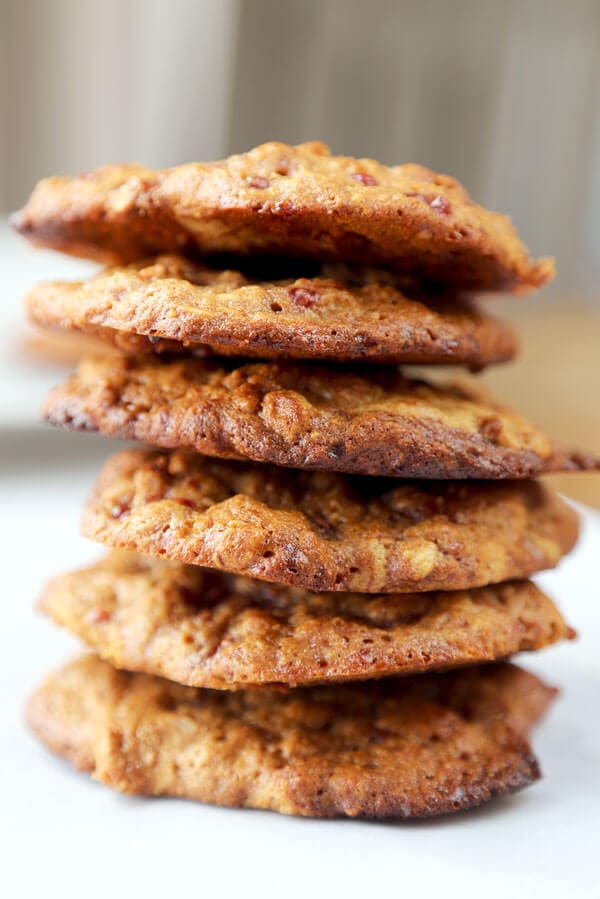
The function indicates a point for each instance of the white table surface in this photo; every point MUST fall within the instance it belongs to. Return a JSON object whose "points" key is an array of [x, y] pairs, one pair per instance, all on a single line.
{"points": [[65, 835]]}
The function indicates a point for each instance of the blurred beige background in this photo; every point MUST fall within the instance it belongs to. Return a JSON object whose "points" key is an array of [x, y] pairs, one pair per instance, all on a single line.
{"points": [[503, 94]]}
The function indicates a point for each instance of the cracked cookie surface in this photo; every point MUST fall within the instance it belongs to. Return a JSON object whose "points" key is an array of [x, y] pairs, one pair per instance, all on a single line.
{"points": [[326, 531], [170, 304], [373, 422], [205, 628], [410, 747], [283, 200]]}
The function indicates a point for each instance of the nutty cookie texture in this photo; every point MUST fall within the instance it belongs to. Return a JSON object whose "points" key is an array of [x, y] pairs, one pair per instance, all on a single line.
{"points": [[209, 629], [170, 304], [325, 531], [287, 201], [411, 747], [376, 422]]}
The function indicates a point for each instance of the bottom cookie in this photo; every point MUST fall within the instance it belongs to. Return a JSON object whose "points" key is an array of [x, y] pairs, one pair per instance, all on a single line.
{"points": [[408, 747]]}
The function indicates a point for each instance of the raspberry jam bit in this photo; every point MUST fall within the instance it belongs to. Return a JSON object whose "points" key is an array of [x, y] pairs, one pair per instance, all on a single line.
{"points": [[184, 501], [366, 179], [120, 509], [439, 203], [99, 616], [258, 181], [304, 296]]}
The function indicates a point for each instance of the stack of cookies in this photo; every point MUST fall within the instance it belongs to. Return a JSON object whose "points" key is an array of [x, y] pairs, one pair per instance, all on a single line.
{"points": [[318, 569]]}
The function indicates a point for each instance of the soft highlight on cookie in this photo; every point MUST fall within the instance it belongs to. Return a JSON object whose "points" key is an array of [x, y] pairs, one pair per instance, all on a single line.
{"points": [[326, 531], [286, 200], [410, 747]]}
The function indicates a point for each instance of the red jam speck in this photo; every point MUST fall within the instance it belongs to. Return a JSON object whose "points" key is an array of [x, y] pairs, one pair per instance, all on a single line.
{"points": [[184, 501], [304, 296], [99, 616], [441, 205], [365, 178], [120, 509], [258, 181]]}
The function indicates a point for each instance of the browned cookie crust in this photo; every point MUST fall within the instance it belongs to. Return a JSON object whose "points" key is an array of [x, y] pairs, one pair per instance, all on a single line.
{"points": [[209, 629], [411, 747], [327, 531], [375, 422], [173, 305], [283, 200]]}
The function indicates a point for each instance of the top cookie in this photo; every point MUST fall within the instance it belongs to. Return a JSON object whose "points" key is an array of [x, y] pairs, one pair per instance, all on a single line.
{"points": [[286, 201]]}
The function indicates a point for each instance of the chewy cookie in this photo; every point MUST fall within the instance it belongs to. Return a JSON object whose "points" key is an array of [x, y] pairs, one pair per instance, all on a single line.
{"points": [[325, 531], [209, 629], [375, 422], [286, 201], [171, 304], [410, 747]]}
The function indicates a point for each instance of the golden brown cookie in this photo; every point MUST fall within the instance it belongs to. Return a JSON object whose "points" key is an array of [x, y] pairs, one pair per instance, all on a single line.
{"points": [[209, 629], [409, 747], [325, 531], [286, 201], [173, 305], [376, 422]]}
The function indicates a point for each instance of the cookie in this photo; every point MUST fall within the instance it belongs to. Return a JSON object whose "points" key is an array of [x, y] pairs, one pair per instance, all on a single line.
{"points": [[172, 305], [209, 629], [375, 422], [409, 747], [325, 531], [286, 201]]}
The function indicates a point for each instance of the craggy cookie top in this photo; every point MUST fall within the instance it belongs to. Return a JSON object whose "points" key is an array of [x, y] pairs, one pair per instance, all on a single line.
{"points": [[209, 629], [375, 422], [286, 201], [325, 531], [410, 747], [171, 304]]}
